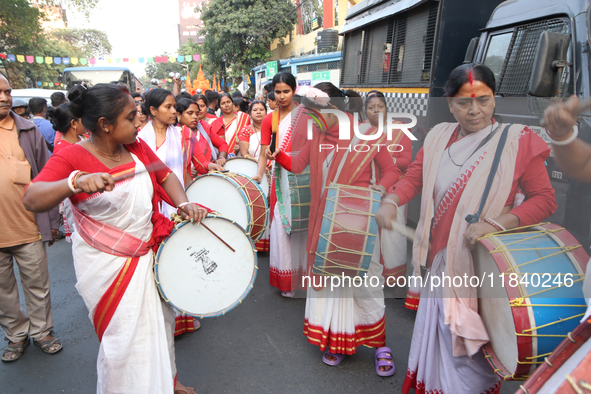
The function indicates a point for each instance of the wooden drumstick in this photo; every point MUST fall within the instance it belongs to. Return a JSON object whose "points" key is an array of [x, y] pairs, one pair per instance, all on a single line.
{"points": [[208, 229], [404, 230], [583, 106]]}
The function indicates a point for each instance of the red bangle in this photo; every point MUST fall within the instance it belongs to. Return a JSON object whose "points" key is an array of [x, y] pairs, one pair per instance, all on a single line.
{"points": [[496, 225]]}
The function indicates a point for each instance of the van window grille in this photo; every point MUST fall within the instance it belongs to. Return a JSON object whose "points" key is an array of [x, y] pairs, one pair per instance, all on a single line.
{"points": [[516, 72], [334, 65], [351, 54], [396, 50]]}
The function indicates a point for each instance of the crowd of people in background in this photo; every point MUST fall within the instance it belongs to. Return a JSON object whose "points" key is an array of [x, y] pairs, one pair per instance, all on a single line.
{"points": [[183, 136]]}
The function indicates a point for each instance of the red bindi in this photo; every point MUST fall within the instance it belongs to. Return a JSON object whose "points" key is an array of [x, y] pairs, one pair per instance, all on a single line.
{"points": [[473, 95]]}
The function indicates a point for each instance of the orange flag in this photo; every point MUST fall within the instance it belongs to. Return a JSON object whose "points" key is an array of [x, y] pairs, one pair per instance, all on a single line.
{"points": [[214, 83], [188, 82]]}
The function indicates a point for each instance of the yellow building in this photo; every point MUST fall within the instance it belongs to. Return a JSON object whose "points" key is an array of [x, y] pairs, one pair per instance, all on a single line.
{"points": [[54, 17], [314, 16]]}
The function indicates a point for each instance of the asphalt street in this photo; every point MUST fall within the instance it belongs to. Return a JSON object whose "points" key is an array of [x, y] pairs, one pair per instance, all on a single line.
{"points": [[258, 347]]}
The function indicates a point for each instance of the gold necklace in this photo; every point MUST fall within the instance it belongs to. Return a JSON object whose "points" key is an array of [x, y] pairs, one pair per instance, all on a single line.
{"points": [[105, 155]]}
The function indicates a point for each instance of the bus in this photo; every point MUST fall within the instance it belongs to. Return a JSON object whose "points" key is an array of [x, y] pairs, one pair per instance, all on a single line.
{"points": [[90, 76]]}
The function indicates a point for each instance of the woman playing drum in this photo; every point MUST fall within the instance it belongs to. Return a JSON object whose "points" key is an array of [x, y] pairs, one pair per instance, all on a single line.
{"points": [[340, 320], [214, 148], [451, 171], [285, 273], [188, 116], [249, 138], [172, 145], [116, 232], [394, 244], [230, 123]]}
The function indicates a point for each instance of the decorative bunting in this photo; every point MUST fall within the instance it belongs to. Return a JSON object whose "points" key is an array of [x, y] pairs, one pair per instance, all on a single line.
{"points": [[84, 61]]}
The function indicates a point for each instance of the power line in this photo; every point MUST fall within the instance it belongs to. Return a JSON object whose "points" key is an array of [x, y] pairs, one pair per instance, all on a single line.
{"points": [[282, 19]]}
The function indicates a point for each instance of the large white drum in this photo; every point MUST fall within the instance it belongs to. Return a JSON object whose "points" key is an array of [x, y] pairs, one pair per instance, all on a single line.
{"points": [[249, 167], [198, 274], [236, 197]]}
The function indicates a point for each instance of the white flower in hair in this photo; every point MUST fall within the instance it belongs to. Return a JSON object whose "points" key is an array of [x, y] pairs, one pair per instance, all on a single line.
{"points": [[316, 96]]}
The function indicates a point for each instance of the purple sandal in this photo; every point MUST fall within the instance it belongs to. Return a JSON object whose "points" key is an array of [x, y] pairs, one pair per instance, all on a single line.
{"points": [[333, 363], [385, 353]]}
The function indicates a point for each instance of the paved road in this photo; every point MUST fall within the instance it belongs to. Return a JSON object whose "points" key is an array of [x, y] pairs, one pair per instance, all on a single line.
{"points": [[257, 348]]}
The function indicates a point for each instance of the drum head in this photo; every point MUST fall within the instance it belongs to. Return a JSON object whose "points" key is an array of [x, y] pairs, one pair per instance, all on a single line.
{"points": [[199, 275], [248, 167], [495, 309], [222, 195]]}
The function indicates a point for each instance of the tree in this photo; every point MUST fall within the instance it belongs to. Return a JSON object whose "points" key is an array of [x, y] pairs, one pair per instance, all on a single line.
{"points": [[241, 31], [21, 33], [161, 71], [93, 43]]}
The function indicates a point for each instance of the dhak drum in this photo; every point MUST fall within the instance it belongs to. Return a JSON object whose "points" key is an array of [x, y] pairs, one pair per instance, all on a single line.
{"points": [[567, 367], [293, 198], [348, 232], [249, 167], [198, 274], [531, 296], [234, 196]]}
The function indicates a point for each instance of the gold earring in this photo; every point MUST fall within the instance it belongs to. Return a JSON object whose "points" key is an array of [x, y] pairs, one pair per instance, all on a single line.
{"points": [[451, 110]]}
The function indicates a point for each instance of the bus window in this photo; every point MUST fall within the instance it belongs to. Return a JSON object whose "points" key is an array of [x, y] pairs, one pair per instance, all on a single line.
{"points": [[496, 52]]}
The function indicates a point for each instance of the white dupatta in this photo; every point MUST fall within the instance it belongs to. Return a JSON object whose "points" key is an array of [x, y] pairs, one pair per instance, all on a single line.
{"points": [[171, 154]]}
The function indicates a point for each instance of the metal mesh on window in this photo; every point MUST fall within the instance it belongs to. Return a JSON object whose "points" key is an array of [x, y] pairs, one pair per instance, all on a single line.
{"points": [[397, 50], [334, 65], [516, 72], [351, 53], [372, 60]]}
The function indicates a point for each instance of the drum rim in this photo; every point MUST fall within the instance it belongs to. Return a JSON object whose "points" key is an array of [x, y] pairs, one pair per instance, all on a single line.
{"points": [[225, 310], [245, 197], [556, 360], [564, 238]]}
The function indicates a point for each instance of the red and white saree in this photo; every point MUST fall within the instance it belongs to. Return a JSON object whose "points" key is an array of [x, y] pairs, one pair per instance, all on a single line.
{"points": [[113, 259]]}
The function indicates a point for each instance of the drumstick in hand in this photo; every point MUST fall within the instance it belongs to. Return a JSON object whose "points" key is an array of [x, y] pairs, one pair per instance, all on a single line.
{"points": [[208, 229], [583, 106], [404, 230]]}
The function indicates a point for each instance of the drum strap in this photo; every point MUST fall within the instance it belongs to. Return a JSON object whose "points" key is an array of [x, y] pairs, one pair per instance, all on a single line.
{"points": [[274, 129], [476, 217]]}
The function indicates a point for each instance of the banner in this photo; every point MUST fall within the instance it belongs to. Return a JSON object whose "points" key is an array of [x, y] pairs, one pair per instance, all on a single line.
{"points": [[5, 57]]}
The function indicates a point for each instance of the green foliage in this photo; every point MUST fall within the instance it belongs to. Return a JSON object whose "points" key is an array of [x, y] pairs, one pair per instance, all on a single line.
{"points": [[242, 31], [93, 43], [21, 34]]}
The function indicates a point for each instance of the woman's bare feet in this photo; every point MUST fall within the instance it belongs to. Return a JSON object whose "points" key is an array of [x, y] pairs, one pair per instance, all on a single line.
{"points": [[180, 389]]}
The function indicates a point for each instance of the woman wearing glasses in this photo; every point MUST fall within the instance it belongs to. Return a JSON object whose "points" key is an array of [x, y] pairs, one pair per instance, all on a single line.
{"points": [[451, 171]]}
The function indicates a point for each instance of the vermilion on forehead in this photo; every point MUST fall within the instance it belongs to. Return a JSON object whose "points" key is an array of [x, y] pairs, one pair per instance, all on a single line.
{"points": [[474, 89]]}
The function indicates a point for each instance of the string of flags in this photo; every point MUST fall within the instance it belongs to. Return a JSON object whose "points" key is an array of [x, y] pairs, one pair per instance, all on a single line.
{"points": [[84, 61]]}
